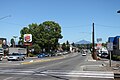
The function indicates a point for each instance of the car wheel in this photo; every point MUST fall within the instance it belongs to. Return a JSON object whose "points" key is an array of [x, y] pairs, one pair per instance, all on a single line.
{"points": [[22, 59], [18, 59], [1, 59]]}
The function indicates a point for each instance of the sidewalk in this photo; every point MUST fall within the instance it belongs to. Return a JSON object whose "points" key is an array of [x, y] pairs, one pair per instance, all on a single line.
{"points": [[102, 65], [94, 65], [115, 66]]}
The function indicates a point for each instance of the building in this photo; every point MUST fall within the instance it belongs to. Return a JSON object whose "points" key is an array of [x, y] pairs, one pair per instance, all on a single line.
{"points": [[3, 43], [116, 44]]}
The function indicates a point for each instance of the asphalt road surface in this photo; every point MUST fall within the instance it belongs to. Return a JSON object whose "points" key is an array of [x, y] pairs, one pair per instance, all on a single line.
{"points": [[68, 68]]}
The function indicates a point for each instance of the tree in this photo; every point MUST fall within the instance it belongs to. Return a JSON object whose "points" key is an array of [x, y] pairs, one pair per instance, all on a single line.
{"points": [[25, 30], [45, 35], [73, 44], [36, 48], [67, 46], [52, 33], [64, 46], [12, 42]]}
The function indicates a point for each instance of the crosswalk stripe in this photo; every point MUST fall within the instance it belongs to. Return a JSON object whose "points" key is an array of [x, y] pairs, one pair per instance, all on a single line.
{"points": [[95, 74], [62, 73]]}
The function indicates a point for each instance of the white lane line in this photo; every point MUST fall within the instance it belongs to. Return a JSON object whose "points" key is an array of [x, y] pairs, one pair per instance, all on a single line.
{"points": [[8, 78], [81, 74], [49, 66]]}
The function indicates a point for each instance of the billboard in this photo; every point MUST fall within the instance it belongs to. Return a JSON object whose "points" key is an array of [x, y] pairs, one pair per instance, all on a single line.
{"points": [[27, 38]]}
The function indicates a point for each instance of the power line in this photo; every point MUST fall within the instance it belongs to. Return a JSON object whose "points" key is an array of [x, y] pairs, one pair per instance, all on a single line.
{"points": [[79, 26], [109, 26], [13, 23], [5, 17]]}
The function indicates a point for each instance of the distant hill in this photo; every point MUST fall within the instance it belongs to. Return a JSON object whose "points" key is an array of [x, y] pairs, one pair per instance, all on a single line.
{"points": [[83, 42]]}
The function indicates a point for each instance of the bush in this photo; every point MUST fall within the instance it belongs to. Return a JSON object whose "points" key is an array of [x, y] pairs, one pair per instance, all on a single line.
{"points": [[114, 57], [118, 57], [31, 55]]}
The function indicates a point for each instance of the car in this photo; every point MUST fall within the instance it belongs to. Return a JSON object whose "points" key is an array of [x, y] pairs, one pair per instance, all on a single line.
{"points": [[15, 56], [41, 55], [59, 53], [24, 55], [104, 55], [83, 54], [1, 58]]}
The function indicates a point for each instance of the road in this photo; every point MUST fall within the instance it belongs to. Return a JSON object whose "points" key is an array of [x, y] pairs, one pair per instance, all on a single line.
{"points": [[69, 67]]}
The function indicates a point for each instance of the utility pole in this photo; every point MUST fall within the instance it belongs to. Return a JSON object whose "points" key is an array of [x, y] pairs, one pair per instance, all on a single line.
{"points": [[94, 56], [93, 39]]}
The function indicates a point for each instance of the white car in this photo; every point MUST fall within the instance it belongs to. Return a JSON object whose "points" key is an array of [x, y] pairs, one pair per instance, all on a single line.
{"points": [[83, 54], [1, 58], [15, 56]]}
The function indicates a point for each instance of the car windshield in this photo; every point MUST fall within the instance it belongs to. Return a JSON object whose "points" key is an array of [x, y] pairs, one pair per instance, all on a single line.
{"points": [[59, 39], [14, 54], [104, 53]]}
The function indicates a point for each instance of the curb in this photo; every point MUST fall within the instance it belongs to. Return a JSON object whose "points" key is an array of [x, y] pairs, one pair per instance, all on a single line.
{"points": [[117, 75]]}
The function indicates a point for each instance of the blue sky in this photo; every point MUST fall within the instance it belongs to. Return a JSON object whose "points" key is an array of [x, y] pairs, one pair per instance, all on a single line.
{"points": [[74, 16]]}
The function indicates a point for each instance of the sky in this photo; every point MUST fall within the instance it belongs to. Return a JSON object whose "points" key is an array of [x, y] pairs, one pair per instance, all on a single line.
{"points": [[74, 16]]}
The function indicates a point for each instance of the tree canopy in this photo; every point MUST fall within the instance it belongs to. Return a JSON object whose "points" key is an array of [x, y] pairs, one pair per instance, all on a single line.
{"points": [[45, 35]]}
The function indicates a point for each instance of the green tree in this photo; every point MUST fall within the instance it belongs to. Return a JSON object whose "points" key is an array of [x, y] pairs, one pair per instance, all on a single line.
{"points": [[46, 35], [12, 42], [25, 30], [36, 48], [73, 44], [67, 46], [64, 46]]}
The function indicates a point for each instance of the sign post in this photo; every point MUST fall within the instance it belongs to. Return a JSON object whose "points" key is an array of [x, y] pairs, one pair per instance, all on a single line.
{"points": [[110, 48]]}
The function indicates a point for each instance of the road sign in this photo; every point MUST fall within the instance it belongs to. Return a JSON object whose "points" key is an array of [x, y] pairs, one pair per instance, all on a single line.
{"points": [[110, 46], [99, 39]]}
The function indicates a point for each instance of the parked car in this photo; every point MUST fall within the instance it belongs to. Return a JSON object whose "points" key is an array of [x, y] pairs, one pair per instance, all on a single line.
{"points": [[1, 54], [15, 56], [65, 52], [59, 53], [1, 57], [84, 54], [41, 55], [24, 55], [104, 55]]}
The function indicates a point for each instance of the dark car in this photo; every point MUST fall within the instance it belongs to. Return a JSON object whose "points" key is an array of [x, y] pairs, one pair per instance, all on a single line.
{"points": [[41, 55]]}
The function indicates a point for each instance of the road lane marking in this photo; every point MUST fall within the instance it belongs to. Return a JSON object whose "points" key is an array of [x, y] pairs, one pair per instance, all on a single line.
{"points": [[8, 78], [45, 60], [93, 74], [63, 73]]}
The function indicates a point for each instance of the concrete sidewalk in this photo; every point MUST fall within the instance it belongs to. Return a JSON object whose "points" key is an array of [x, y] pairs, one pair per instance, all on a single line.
{"points": [[115, 67], [102, 65], [94, 65]]}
